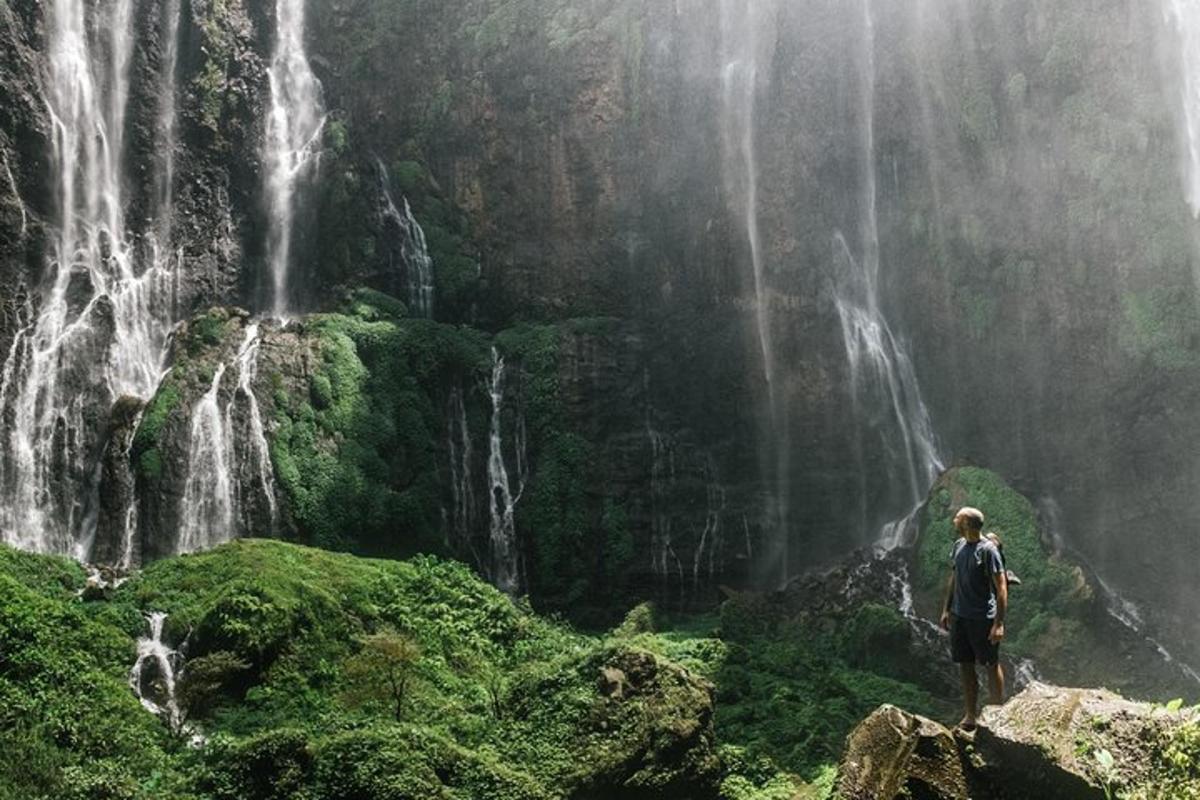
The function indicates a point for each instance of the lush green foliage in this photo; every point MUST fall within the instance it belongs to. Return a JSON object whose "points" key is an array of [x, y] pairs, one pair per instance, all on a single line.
{"points": [[69, 725], [579, 548], [499, 703], [356, 451]]}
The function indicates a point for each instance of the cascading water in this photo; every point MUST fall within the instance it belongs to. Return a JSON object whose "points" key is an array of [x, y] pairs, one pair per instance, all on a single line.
{"points": [[292, 143], [1184, 18], [101, 321], [228, 454], [883, 383], [664, 561], [505, 554], [461, 487], [206, 511], [745, 46], [712, 537], [414, 252], [1120, 608], [168, 134], [153, 675], [254, 436], [740, 53], [16, 195]]}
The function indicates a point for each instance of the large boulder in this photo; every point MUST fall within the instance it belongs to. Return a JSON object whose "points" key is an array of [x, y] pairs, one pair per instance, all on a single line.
{"points": [[1047, 742]]}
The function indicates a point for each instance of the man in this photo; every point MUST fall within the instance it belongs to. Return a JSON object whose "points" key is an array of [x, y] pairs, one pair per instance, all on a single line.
{"points": [[974, 608]]}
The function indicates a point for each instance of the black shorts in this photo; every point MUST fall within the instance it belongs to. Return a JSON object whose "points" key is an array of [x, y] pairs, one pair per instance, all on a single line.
{"points": [[969, 643]]}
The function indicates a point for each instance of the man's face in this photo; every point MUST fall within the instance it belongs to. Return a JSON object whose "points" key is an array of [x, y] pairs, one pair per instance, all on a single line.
{"points": [[960, 523]]}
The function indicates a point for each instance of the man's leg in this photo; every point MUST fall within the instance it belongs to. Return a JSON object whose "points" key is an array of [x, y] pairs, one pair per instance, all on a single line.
{"points": [[996, 683], [970, 692]]}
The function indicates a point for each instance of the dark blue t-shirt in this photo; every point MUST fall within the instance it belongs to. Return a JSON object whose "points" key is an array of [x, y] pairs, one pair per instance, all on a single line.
{"points": [[974, 590]]}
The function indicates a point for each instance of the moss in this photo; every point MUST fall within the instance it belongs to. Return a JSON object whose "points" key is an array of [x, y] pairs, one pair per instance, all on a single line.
{"points": [[1161, 325], [337, 136], [543, 728], [211, 82], [145, 451], [409, 177], [357, 455]]}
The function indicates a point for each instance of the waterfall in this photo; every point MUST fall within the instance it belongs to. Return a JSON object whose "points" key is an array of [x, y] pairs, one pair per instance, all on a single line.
{"points": [[100, 327], [505, 555], [746, 43], [740, 53], [168, 134], [414, 252], [292, 143], [255, 437], [153, 675], [16, 194], [459, 445], [206, 511], [712, 536], [883, 382], [1184, 18], [226, 454], [663, 558]]}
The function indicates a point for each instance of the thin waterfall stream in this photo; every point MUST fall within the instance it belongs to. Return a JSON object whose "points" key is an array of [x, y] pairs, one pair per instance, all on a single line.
{"points": [[881, 371], [414, 251], [154, 674], [505, 551], [745, 45]]}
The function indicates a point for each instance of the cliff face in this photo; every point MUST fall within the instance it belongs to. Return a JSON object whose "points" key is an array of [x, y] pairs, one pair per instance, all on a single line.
{"points": [[765, 244]]}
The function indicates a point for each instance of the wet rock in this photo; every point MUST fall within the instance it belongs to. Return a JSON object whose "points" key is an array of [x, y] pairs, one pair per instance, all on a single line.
{"points": [[894, 754], [116, 527], [1047, 742]]}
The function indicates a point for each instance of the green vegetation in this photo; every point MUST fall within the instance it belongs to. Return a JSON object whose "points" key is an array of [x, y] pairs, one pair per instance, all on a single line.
{"points": [[580, 546], [495, 701], [1161, 325], [355, 449]]}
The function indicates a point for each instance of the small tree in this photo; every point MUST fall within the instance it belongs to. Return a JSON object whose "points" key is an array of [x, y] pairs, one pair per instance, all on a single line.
{"points": [[383, 669]]}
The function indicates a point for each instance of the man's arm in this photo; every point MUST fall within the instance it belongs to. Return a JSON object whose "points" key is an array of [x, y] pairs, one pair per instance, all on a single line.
{"points": [[1001, 581], [949, 593]]}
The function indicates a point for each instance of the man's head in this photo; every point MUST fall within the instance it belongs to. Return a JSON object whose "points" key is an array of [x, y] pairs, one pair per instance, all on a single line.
{"points": [[968, 522]]}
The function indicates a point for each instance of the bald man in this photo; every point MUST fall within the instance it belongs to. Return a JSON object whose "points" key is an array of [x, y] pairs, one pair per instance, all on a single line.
{"points": [[973, 610]]}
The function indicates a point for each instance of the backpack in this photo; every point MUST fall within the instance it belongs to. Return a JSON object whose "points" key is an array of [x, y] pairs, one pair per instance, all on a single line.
{"points": [[1009, 576]]}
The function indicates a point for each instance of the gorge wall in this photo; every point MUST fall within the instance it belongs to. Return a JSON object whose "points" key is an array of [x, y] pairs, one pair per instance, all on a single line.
{"points": [[755, 270]]}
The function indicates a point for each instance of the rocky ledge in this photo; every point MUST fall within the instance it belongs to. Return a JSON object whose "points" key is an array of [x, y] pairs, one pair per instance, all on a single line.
{"points": [[1047, 742]]}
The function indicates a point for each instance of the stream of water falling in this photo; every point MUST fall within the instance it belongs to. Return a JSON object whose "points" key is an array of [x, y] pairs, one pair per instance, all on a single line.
{"points": [[206, 510], [16, 194], [747, 40], [459, 447], [741, 50], [881, 370], [153, 675], [168, 134], [1183, 16], [505, 554], [101, 322], [292, 142], [414, 252], [227, 454]]}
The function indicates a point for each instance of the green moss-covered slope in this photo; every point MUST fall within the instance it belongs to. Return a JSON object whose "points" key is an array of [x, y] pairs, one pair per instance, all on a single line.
{"points": [[288, 649]]}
